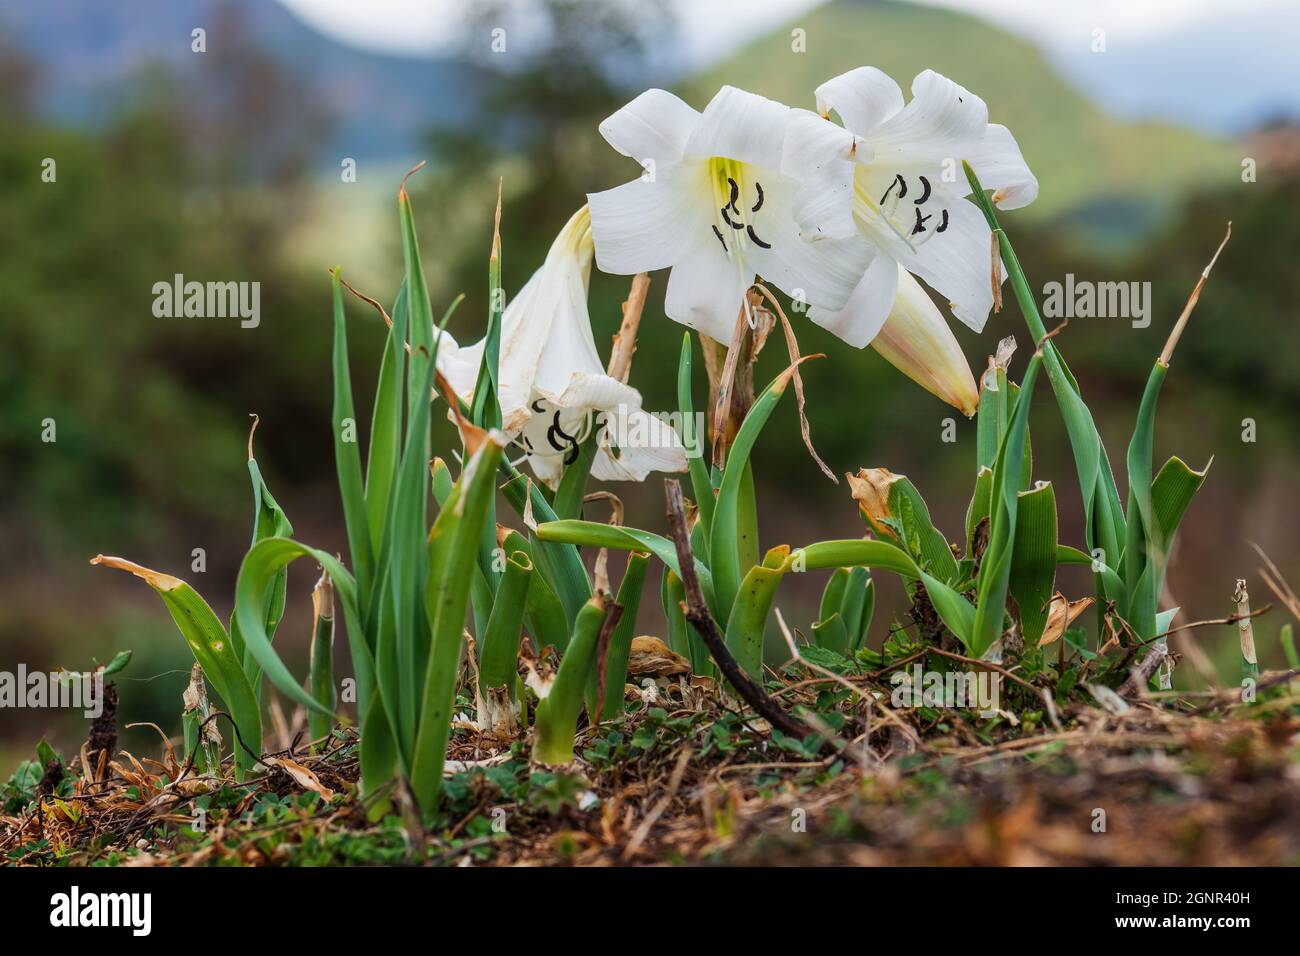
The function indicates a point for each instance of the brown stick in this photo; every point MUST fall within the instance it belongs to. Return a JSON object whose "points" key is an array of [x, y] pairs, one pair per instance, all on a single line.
{"points": [[1138, 676], [726, 383], [697, 612], [620, 357]]}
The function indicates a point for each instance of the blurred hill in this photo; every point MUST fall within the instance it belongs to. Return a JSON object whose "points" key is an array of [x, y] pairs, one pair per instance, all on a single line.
{"points": [[1079, 153], [1106, 184], [87, 51]]}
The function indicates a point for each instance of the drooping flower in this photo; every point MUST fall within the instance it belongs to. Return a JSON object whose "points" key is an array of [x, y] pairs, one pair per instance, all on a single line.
{"points": [[552, 387], [891, 177], [916, 340], [714, 206]]}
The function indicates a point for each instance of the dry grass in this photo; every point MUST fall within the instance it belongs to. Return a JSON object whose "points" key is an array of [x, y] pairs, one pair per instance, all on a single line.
{"points": [[1204, 782]]}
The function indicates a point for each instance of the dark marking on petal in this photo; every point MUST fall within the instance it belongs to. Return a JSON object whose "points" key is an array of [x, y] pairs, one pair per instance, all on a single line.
{"points": [[900, 183], [925, 184], [570, 441]]}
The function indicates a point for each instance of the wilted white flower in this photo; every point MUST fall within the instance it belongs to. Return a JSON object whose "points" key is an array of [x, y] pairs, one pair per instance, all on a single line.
{"points": [[551, 385]]}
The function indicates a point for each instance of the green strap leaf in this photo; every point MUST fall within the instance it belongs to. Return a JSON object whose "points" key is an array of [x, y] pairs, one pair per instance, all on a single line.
{"points": [[980, 505], [403, 655], [559, 563], [1008, 475], [693, 441], [486, 412], [557, 713], [1105, 521], [1171, 493], [499, 653], [573, 483], [386, 423], [269, 521], [833, 593], [260, 565], [620, 641], [347, 455], [832, 634], [321, 666], [543, 610], [858, 605], [954, 610], [682, 638], [1139, 564], [1033, 560], [921, 538], [212, 648], [990, 417], [451, 562], [748, 620], [592, 534], [733, 547]]}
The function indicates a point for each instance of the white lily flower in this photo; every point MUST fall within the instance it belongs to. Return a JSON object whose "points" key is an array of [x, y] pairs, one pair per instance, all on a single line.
{"points": [[892, 176], [551, 385], [714, 207]]}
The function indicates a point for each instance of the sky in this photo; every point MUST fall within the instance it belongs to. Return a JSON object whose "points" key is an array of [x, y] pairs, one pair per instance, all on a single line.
{"points": [[418, 26], [1154, 68]]}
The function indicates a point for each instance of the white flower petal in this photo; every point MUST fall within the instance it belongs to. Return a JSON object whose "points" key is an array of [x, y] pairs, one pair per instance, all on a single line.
{"points": [[820, 156], [943, 121], [864, 98], [1000, 167], [956, 263], [863, 317], [635, 463], [821, 272], [545, 330], [568, 352], [632, 443], [525, 329], [635, 443], [643, 226], [741, 126], [597, 391], [706, 290], [459, 365], [654, 126], [548, 467]]}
